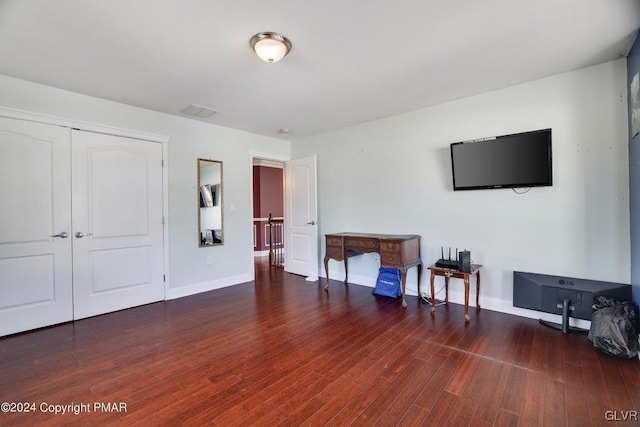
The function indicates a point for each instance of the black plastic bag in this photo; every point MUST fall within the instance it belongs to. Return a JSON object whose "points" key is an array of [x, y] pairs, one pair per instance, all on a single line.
{"points": [[614, 327]]}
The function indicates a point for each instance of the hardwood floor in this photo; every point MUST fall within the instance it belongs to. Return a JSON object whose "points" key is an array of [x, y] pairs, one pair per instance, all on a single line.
{"points": [[281, 351]]}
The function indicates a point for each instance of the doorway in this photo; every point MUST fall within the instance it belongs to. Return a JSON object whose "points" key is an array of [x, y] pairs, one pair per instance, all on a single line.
{"points": [[300, 213], [268, 212]]}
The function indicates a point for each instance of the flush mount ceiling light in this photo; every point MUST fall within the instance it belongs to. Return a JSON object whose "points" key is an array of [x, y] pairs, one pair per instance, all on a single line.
{"points": [[270, 47]]}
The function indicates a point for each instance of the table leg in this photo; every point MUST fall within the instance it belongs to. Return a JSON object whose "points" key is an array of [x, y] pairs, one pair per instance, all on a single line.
{"points": [[419, 272], [446, 289], [404, 284], [433, 294], [478, 289], [346, 269], [466, 298], [326, 272]]}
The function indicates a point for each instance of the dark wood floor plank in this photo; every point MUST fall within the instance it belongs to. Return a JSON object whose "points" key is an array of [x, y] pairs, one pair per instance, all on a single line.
{"points": [[443, 408], [281, 351], [524, 345], [634, 392], [468, 367], [440, 379], [630, 370], [335, 405], [355, 413], [533, 398], [415, 416], [554, 407], [415, 384], [539, 350], [514, 392], [596, 395], [302, 413], [462, 413], [507, 419], [615, 385], [555, 355], [490, 398], [387, 400], [575, 397]]}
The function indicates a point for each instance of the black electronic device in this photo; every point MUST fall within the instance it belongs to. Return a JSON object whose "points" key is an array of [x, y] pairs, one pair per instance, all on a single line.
{"points": [[507, 161], [464, 261], [568, 297], [447, 263]]}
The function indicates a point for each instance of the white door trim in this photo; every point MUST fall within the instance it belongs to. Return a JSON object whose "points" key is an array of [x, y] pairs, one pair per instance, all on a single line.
{"points": [[77, 124], [264, 156]]}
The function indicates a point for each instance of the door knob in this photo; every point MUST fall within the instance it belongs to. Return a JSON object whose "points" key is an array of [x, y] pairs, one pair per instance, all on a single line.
{"points": [[311, 223], [80, 234], [62, 235]]}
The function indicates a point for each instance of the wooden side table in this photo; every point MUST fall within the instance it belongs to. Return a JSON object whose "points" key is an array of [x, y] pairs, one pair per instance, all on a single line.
{"points": [[447, 273]]}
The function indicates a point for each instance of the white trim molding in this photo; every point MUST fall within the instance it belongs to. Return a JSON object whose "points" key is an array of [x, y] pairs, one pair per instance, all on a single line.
{"points": [[197, 288], [268, 163], [77, 124]]}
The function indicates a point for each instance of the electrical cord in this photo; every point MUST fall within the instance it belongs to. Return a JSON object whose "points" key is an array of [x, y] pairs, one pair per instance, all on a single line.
{"points": [[426, 299], [521, 192]]}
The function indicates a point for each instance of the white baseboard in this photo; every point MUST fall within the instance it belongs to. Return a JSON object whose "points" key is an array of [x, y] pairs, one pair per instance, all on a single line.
{"points": [[457, 297], [505, 306], [196, 288], [258, 254]]}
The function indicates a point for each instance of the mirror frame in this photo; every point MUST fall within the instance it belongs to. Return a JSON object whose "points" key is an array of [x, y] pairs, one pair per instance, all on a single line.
{"points": [[221, 204]]}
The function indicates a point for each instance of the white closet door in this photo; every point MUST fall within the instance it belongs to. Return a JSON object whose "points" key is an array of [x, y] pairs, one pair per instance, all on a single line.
{"points": [[117, 223], [35, 205]]}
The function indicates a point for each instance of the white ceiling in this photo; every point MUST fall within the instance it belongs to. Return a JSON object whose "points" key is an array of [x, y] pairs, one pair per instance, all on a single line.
{"points": [[352, 60]]}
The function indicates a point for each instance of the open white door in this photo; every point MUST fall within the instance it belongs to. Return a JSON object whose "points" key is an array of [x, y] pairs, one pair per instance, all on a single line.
{"points": [[300, 218]]}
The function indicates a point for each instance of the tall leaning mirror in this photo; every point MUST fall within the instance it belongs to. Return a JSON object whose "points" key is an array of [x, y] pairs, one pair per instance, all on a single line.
{"points": [[210, 224]]}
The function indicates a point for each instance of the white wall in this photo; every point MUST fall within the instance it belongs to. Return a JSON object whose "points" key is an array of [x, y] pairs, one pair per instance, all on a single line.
{"points": [[190, 139], [394, 176]]}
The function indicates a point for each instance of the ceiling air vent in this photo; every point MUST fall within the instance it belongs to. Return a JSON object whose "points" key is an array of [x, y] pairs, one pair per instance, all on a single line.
{"points": [[198, 111]]}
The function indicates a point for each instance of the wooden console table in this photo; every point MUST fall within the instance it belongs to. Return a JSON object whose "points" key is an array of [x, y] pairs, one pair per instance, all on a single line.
{"points": [[447, 273], [399, 251]]}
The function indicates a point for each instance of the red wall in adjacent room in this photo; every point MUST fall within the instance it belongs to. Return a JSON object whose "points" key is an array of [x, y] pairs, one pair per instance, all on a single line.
{"points": [[268, 198]]}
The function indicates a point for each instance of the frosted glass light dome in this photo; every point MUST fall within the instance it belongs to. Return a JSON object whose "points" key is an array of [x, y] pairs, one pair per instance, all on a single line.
{"points": [[270, 47]]}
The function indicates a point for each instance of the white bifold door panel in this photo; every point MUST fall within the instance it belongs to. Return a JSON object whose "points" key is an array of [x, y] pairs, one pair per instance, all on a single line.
{"points": [[117, 223], [80, 224], [35, 205]]}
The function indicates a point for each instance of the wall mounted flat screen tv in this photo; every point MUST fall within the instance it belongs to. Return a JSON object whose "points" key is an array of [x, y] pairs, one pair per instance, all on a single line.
{"points": [[507, 161]]}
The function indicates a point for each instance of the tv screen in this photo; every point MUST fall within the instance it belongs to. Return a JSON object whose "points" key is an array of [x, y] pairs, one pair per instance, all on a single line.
{"points": [[507, 161]]}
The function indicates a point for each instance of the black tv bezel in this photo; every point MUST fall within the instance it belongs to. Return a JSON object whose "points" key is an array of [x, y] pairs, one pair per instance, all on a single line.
{"points": [[548, 183]]}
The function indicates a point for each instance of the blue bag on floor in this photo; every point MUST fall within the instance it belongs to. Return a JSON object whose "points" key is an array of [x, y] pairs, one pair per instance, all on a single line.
{"points": [[388, 283]]}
